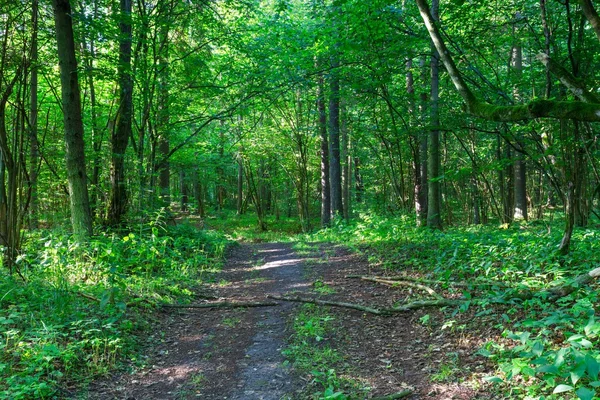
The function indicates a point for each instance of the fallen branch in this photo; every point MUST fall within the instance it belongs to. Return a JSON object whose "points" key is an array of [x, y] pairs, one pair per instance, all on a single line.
{"points": [[331, 303], [223, 304], [394, 396], [425, 303], [414, 285], [478, 282]]}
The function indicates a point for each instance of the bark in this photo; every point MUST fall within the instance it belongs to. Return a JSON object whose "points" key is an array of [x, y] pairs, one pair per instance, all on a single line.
{"points": [[325, 181], [122, 132], [434, 196], [81, 219]]}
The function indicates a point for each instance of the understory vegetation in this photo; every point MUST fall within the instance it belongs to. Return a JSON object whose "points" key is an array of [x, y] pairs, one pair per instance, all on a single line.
{"points": [[540, 349], [78, 311]]}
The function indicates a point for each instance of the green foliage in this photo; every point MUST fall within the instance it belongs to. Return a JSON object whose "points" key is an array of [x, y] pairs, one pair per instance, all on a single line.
{"points": [[78, 314], [549, 349]]}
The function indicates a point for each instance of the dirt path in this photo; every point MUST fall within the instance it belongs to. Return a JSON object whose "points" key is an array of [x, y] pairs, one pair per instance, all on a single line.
{"points": [[235, 354], [222, 353]]}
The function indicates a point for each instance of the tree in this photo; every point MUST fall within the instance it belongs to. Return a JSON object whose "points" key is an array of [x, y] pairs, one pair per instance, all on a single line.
{"points": [[81, 218], [122, 131]]}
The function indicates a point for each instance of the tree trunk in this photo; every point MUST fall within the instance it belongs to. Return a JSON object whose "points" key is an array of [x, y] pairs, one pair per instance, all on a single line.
{"points": [[359, 186], [325, 181], [81, 218], [335, 172], [163, 119], [240, 182], [434, 202], [34, 155], [122, 132], [347, 161]]}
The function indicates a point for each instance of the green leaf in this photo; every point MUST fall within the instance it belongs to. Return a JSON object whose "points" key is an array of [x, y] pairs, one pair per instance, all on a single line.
{"points": [[562, 389], [592, 365], [493, 379], [538, 348], [577, 373], [585, 394]]}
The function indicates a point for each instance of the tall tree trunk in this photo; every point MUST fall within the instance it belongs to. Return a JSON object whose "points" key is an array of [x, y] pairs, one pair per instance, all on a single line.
{"points": [[325, 181], [240, 181], [359, 185], [34, 151], [434, 202], [122, 132], [183, 190], [163, 119], [335, 172], [520, 167], [346, 164], [81, 218]]}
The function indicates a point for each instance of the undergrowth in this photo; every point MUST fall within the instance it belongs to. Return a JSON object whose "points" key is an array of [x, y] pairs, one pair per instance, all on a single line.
{"points": [[77, 312], [543, 349]]}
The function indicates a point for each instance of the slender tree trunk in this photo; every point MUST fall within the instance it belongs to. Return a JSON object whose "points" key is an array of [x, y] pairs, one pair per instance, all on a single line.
{"points": [[81, 218], [34, 150], [434, 203], [359, 186], [163, 119], [122, 132], [520, 166], [183, 190], [335, 173], [325, 181], [240, 182], [347, 160]]}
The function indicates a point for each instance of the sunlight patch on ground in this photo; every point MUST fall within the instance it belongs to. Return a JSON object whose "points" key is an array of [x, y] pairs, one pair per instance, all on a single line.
{"points": [[278, 264]]}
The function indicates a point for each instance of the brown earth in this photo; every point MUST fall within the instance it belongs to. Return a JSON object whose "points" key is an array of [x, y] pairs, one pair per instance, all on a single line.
{"points": [[236, 353]]}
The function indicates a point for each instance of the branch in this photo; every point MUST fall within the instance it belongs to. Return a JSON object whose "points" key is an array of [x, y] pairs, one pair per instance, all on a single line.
{"points": [[353, 306], [394, 283], [580, 111], [592, 16], [574, 85]]}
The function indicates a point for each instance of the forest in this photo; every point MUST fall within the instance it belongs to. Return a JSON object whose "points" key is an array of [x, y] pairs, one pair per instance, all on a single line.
{"points": [[299, 199]]}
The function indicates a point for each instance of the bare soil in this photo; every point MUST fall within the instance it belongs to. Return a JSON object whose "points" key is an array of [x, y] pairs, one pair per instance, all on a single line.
{"points": [[237, 353]]}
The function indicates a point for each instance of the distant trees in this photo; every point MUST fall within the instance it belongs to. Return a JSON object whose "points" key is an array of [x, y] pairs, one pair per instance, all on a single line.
{"points": [[313, 111]]}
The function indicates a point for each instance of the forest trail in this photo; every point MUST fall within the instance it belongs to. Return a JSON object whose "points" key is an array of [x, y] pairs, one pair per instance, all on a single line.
{"points": [[236, 354], [222, 353]]}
